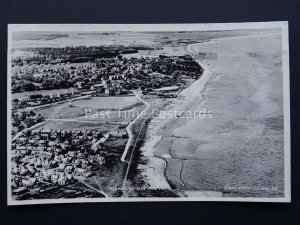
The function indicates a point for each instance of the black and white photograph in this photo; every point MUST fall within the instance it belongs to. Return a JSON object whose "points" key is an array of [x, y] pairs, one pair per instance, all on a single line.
{"points": [[148, 112]]}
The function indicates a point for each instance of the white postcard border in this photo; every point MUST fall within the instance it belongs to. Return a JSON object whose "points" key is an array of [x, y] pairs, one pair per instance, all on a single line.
{"points": [[159, 27]]}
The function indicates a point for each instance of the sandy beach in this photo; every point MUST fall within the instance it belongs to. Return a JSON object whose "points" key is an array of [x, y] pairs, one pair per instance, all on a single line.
{"points": [[242, 87]]}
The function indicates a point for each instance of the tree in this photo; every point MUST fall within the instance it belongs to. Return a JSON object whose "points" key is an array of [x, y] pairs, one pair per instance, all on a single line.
{"points": [[28, 133]]}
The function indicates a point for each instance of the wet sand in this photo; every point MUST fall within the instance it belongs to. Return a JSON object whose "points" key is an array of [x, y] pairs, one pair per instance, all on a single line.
{"points": [[242, 144]]}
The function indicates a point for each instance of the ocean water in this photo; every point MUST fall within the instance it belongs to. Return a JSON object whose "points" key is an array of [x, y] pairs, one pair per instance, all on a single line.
{"points": [[242, 146]]}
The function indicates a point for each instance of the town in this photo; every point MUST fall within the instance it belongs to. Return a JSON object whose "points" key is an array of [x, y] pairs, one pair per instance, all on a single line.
{"points": [[115, 75], [56, 157], [45, 159]]}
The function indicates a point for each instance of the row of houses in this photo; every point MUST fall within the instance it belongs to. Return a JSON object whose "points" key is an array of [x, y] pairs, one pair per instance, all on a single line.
{"points": [[37, 161], [21, 120]]}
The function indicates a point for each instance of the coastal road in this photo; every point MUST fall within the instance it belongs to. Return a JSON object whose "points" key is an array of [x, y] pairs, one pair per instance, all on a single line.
{"points": [[130, 135], [128, 128]]}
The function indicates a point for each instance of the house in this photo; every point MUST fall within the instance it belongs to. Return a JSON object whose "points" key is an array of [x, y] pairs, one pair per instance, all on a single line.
{"points": [[53, 136], [41, 142], [54, 178], [50, 149], [51, 143], [71, 154], [168, 89], [38, 163], [21, 148], [23, 170], [14, 183], [64, 160], [119, 133], [62, 180], [107, 91], [46, 163], [15, 170], [35, 132], [45, 133], [47, 154], [77, 161], [89, 138], [101, 160], [88, 174], [75, 141], [80, 138], [69, 169], [97, 87], [36, 103], [31, 141], [29, 182], [70, 178], [62, 166], [31, 170], [57, 158], [53, 164], [40, 148], [46, 174], [80, 171], [21, 140]]}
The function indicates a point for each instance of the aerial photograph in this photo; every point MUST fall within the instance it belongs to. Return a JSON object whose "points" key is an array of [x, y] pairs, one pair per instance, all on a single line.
{"points": [[138, 114]]}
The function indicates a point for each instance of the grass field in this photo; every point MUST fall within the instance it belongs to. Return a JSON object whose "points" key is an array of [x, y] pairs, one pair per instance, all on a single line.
{"points": [[106, 102], [78, 108]]}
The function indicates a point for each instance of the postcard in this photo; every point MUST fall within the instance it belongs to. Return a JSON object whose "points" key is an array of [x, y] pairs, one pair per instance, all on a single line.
{"points": [[148, 112]]}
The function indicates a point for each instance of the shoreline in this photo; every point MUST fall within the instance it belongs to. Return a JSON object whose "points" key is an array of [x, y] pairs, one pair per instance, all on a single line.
{"points": [[251, 121], [154, 172]]}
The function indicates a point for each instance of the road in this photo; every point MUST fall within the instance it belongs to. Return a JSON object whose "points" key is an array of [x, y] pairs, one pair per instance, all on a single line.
{"points": [[128, 128], [97, 190], [17, 135], [101, 140], [130, 135]]}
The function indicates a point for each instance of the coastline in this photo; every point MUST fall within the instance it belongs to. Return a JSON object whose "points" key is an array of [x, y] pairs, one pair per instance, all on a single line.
{"points": [[245, 108], [154, 172]]}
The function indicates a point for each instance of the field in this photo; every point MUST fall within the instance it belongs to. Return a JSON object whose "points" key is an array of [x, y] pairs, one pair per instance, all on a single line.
{"points": [[87, 106], [113, 103], [102, 114]]}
